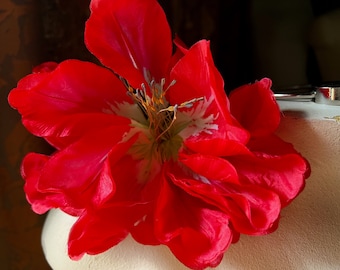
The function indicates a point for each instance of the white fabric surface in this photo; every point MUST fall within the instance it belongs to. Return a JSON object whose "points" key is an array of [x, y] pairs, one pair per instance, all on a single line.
{"points": [[308, 236]]}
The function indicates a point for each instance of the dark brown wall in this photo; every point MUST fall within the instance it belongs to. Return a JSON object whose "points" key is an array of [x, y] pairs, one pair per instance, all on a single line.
{"points": [[31, 32], [20, 44]]}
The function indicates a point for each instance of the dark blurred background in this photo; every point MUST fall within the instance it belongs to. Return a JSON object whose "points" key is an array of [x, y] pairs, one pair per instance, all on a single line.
{"points": [[294, 42]]}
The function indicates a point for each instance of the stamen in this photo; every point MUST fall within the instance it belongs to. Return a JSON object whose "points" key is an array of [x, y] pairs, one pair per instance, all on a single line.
{"points": [[174, 110], [147, 75], [186, 104], [162, 83], [161, 117], [190, 103], [171, 84]]}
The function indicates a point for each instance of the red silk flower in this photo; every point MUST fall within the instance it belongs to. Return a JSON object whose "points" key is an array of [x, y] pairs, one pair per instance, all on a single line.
{"points": [[151, 146]]}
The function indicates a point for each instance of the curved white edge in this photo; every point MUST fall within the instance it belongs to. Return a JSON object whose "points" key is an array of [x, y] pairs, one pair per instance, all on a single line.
{"points": [[309, 110]]}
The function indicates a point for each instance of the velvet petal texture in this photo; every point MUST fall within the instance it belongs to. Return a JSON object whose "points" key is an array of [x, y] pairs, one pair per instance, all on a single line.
{"points": [[130, 37], [196, 76], [198, 241], [69, 101], [284, 175], [255, 108], [116, 217], [252, 209], [41, 200], [115, 220], [276, 164], [79, 175]]}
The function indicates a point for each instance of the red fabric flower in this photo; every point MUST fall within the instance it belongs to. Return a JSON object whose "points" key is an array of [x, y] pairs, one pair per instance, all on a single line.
{"points": [[157, 151]]}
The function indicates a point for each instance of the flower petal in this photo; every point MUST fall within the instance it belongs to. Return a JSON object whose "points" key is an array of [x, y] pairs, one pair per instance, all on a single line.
{"points": [[116, 217], [255, 107], [285, 175], [80, 171], [114, 222], [196, 77], [70, 129], [198, 241], [45, 67], [270, 145], [41, 201], [251, 209], [130, 36], [216, 146], [210, 167], [69, 101]]}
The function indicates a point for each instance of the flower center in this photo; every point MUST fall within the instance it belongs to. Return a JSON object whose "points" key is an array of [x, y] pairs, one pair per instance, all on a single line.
{"points": [[165, 141]]}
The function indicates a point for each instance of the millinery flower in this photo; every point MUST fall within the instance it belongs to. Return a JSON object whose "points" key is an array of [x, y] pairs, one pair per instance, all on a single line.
{"points": [[150, 145]]}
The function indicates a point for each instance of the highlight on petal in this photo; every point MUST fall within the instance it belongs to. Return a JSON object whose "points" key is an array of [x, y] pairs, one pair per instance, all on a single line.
{"points": [[45, 67], [130, 37]]}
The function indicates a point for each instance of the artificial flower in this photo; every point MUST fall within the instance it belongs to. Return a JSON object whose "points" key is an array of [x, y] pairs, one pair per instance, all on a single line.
{"points": [[150, 145]]}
